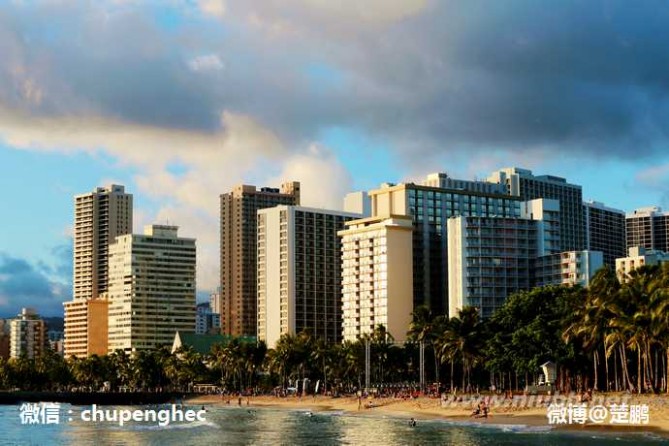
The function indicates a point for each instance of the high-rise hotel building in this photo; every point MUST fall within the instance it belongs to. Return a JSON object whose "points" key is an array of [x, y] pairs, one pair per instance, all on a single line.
{"points": [[151, 288], [604, 231], [377, 276], [648, 228], [299, 272], [546, 213], [429, 207], [238, 292], [488, 259], [99, 217], [522, 183]]}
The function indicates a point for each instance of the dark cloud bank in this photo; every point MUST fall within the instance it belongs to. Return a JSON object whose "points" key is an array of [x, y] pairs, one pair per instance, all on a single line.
{"points": [[575, 76], [42, 286]]}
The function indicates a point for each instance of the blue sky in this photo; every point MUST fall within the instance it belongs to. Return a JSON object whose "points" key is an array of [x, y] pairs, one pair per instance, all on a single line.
{"points": [[181, 99]]}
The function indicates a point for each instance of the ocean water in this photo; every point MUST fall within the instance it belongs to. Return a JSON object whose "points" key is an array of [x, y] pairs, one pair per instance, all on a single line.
{"points": [[241, 426]]}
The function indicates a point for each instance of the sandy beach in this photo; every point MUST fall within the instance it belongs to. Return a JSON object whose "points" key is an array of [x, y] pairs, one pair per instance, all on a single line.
{"points": [[502, 412]]}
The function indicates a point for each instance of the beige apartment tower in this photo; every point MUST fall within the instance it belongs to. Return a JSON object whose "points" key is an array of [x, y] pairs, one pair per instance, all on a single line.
{"points": [[377, 276], [86, 327], [99, 217], [239, 252], [151, 288]]}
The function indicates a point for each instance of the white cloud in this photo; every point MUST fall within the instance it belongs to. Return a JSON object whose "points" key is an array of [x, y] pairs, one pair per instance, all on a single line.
{"points": [[324, 179], [215, 8], [654, 176], [368, 10], [206, 62], [241, 151]]}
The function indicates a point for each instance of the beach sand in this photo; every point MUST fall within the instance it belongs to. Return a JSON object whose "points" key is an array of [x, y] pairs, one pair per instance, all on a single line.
{"points": [[502, 412]]}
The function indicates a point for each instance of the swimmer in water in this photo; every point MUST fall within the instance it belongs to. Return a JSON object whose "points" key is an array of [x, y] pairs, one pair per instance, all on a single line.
{"points": [[412, 423]]}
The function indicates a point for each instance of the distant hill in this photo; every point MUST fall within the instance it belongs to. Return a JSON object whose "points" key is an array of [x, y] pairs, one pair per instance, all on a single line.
{"points": [[55, 323]]}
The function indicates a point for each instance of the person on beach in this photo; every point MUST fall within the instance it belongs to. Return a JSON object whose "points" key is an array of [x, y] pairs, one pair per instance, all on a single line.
{"points": [[412, 422]]}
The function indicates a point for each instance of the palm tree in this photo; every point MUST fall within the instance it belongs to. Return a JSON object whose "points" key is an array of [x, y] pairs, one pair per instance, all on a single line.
{"points": [[352, 357], [322, 355], [187, 367], [381, 345], [24, 374], [633, 319], [288, 356], [120, 361], [426, 327], [659, 314], [463, 338], [589, 323]]}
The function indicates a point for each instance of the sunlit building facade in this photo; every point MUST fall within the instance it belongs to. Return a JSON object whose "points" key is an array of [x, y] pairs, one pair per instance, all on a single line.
{"points": [[151, 288], [99, 217], [299, 272], [377, 278], [238, 224]]}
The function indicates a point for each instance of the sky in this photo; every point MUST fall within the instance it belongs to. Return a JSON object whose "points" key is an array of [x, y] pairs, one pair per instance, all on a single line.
{"points": [[179, 100]]}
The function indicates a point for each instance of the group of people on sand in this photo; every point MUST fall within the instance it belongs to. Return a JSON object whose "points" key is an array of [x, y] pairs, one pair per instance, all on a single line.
{"points": [[481, 410], [584, 397]]}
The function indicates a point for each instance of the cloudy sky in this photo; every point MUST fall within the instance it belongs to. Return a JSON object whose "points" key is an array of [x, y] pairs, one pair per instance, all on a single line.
{"points": [[179, 100]]}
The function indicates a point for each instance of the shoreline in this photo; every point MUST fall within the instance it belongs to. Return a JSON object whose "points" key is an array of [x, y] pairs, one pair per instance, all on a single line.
{"points": [[88, 398], [429, 409]]}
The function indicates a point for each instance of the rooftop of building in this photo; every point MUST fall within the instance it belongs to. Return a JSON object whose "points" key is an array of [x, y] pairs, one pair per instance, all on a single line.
{"points": [[378, 219], [385, 187], [527, 173], [648, 211], [309, 209], [110, 188], [640, 251], [602, 206], [284, 189]]}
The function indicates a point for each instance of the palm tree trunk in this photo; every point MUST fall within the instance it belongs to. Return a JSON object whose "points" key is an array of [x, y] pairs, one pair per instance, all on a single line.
{"points": [[527, 379], [464, 373], [638, 369], [606, 370], [325, 377], [625, 369], [655, 383], [646, 367], [452, 383], [595, 360], [663, 381], [667, 372], [615, 369]]}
